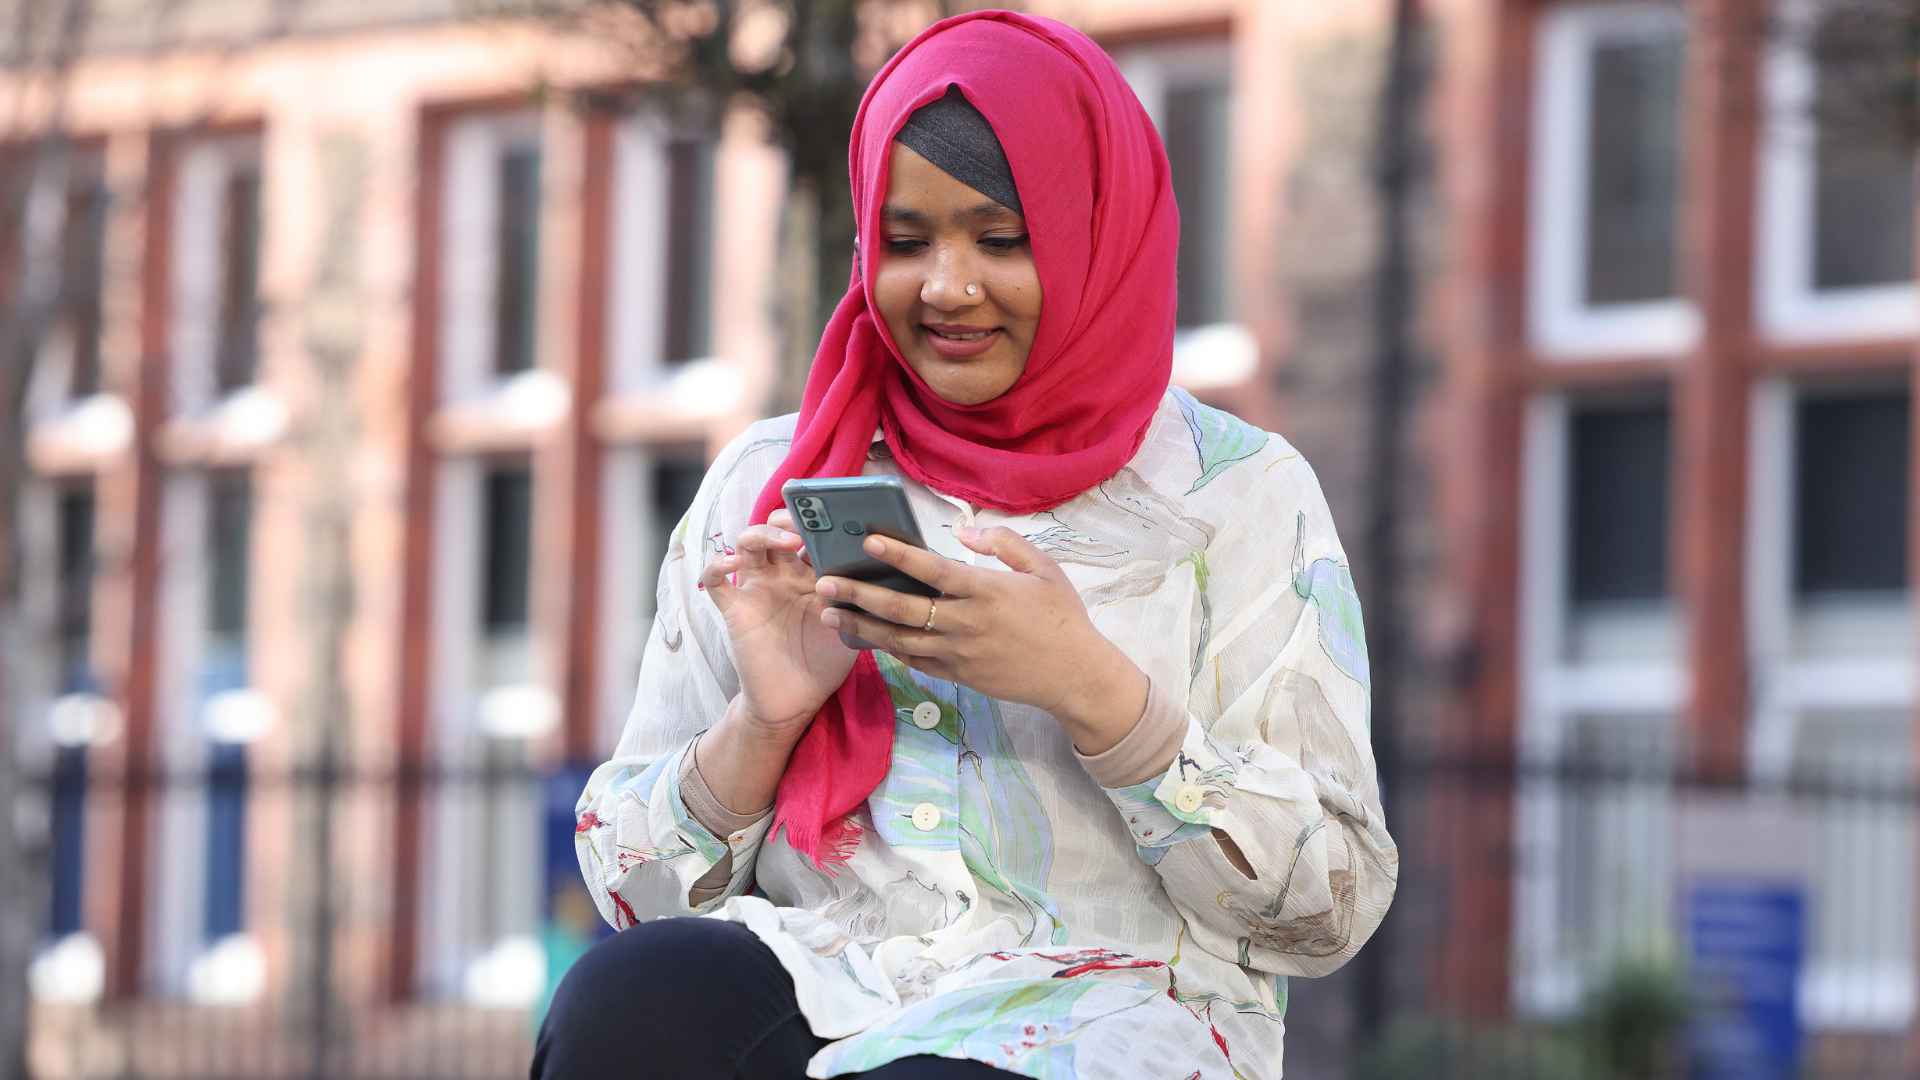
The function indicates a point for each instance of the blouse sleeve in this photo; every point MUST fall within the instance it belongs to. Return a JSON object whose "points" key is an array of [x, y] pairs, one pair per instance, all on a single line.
{"points": [[650, 839], [1270, 748]]}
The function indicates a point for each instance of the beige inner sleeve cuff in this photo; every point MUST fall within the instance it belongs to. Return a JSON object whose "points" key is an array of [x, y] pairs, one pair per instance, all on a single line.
{"points": [[1143, 752], [707, 809]]}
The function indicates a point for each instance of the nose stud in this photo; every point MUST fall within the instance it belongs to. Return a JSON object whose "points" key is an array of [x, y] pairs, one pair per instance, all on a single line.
{"points": [[972, 289]]}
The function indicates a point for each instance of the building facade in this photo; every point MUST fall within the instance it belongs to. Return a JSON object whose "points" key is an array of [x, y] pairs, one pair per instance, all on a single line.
{"points": [[386, 351]]}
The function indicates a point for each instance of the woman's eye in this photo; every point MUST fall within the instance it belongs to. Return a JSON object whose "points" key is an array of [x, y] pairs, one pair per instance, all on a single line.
{"points": [[905, 245], [1003, 244]]}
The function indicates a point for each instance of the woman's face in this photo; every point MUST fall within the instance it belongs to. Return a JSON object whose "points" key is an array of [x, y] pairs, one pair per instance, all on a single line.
{"points": [[938, 236]]}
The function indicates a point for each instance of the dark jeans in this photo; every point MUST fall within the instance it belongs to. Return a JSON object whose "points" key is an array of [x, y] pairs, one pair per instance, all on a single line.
{"points": [[692, 999]]}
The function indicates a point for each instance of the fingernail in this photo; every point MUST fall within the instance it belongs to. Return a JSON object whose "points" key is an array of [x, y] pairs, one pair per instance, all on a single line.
{"points": [[830, 617], [875, 546], [967, 532], [825, 587]]}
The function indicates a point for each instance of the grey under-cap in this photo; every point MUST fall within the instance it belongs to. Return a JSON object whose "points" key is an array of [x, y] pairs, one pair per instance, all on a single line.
{"points": [[953, 135]]}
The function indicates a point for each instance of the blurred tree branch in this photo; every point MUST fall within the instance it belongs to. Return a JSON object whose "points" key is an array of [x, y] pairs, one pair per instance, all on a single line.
{"points": [[1866, 54], [803, 65]]}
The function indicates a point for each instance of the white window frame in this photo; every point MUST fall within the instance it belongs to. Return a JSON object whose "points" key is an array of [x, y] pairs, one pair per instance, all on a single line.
{"points": [[1790, 685], [50, 399], [194, 282], [626, 510], [71, 969], [463, 715], [1791, 309], [638, 367], [180, 962], [1223, 353], [1555, 692], [1561, 323], [469, 390]]}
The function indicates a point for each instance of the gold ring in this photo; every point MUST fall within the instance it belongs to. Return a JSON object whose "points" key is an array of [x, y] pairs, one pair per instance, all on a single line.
{"points": [[932, 606]]}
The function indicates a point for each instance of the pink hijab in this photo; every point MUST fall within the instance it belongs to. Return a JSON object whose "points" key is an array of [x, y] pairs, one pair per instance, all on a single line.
{"points": [[1098, 198]]}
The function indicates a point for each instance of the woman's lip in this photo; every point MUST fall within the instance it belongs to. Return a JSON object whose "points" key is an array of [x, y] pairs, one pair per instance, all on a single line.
{"points": [[960, 350]]}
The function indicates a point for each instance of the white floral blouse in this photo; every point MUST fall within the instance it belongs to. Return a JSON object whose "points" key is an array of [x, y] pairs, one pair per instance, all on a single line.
{"points": [[1006, 899]]}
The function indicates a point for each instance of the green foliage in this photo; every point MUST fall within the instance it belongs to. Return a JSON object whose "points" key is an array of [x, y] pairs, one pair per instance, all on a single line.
{"points": [[1632, 1024], [1441, 1048], [1629, 1026]]}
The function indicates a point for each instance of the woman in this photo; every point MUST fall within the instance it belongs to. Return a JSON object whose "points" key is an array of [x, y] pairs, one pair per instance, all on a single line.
{"points": [[1083, 814]]}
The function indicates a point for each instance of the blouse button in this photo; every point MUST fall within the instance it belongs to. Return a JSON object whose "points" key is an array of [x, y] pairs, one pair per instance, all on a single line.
{"points": [[926, 716], [1188, 799], [926, 817]]}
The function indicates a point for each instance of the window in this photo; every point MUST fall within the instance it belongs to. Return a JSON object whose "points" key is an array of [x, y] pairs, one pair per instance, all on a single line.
{"points": [[508, 527], [83, 265], [1188, 91], [1831, 649], [54, 224], [214, 322], [1850, 473], [69, 795], [1615, 830], [663, 254], [1615, 567], [1857, 767], [1601, 690], [493, 196], [239, 280], [674, 482], [517, 260], [1617, 523], [1606, 181], [76, 510], [223, 681], [482, 887], [1835, 218], [1863, 163], [1199, 141], [647, 491], [689, 249]]}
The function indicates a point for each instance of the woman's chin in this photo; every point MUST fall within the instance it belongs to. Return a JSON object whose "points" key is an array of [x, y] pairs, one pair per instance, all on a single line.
{"points": [[971, 381]]}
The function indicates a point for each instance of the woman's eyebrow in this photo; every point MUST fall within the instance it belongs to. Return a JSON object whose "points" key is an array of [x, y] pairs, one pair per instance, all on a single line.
{"points": [[906, 216]]}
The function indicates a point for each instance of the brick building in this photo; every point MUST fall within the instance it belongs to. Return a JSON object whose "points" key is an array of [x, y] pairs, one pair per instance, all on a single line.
{"points": [[1657, 309]]}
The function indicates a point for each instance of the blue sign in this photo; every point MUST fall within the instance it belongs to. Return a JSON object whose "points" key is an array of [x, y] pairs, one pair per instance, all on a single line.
{"points": [[1746, 942]]}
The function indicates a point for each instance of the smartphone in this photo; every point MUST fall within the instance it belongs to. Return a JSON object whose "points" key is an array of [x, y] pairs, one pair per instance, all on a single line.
{"points": [[835, 516]]}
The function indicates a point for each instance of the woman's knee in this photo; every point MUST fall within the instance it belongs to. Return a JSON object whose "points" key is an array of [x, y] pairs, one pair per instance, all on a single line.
{"points": [[661, 969], [668, 958]]}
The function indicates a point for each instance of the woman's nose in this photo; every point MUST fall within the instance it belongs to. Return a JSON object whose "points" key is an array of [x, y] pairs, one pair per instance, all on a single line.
{"points": [[946, 283]]}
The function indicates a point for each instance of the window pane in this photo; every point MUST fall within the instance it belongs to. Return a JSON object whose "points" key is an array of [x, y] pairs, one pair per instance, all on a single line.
{"points": [[1850, 526], [1196, 132], [508, 557], [689, 249], [227, 783], [675, 481], [229, 529], [1863, 174], [239, 280], [1633, 167], [76, 509], [1617, 505], [68, 839], [1856, 768], [517, 251], [1615, 839], [83, 258]]}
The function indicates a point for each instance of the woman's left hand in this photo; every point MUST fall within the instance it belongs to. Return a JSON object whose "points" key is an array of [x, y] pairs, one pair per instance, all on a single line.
{"points": [[1020, 634]]}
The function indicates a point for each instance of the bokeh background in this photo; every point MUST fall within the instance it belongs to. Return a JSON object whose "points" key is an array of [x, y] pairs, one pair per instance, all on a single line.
{"points": [[358, 357]]}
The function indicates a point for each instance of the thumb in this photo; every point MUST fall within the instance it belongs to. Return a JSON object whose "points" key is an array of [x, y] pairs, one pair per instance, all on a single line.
{"points": [[1015, 551]]}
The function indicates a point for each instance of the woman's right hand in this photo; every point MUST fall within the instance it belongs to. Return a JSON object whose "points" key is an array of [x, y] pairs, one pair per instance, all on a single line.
{"points": [[789, 661]]}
